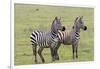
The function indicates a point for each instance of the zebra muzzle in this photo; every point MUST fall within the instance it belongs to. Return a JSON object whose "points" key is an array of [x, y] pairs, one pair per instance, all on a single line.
{"points": [[63, 28], [85, 27]]}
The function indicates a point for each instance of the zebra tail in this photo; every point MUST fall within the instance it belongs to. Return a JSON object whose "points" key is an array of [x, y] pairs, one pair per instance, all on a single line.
{"points": [[33, 39]]}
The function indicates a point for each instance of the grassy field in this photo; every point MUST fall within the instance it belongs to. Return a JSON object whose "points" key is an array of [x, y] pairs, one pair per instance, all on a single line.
{"points": [[33, 17]]}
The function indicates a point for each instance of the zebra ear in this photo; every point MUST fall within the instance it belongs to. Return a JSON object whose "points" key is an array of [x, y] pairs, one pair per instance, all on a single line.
{"points": [[63, 29], [56, 18], [76, 19]]}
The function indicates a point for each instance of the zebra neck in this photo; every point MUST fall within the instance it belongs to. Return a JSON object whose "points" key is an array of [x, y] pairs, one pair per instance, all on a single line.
{"points": [[77, 34], [53, 34], [77, 30]]}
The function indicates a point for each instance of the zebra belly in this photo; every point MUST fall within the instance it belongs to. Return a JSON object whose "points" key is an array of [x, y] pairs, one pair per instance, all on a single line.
{"points": [[67, 40]]}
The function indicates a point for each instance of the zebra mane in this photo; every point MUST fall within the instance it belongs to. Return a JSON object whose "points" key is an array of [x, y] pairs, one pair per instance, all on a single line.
{"points": [[77, 19]]}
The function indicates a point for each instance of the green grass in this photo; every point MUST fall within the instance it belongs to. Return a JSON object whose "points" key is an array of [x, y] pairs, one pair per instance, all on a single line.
{"points": [[28, 18]]}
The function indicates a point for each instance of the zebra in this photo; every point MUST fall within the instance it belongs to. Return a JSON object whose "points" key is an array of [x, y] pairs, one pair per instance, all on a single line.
{"points": [[71, 37], [41, 40]]}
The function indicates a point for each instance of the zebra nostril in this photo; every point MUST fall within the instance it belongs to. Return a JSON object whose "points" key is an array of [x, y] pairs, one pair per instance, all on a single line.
{"points": [[63, 29], [85, 28]]}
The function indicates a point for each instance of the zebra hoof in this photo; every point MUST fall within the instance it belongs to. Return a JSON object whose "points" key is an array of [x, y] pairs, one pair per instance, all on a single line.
{"points": [[57, 58], [43, 61], [35, 61], [77, 57]]}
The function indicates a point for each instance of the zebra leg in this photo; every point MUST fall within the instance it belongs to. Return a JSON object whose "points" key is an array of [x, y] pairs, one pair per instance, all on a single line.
{"points": [[73, 48], [52, 54], [40, 54], [56, 54], [35, 52], [76, 49], [56, 51], [54, 48]]}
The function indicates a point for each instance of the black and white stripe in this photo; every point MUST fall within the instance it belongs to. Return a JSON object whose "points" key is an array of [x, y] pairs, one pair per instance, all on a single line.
{"points": [[41, 38]]}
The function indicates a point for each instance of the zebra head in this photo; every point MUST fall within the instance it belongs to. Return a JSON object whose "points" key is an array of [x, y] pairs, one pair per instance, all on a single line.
{"points": [[56, 25], [79, 23]]}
